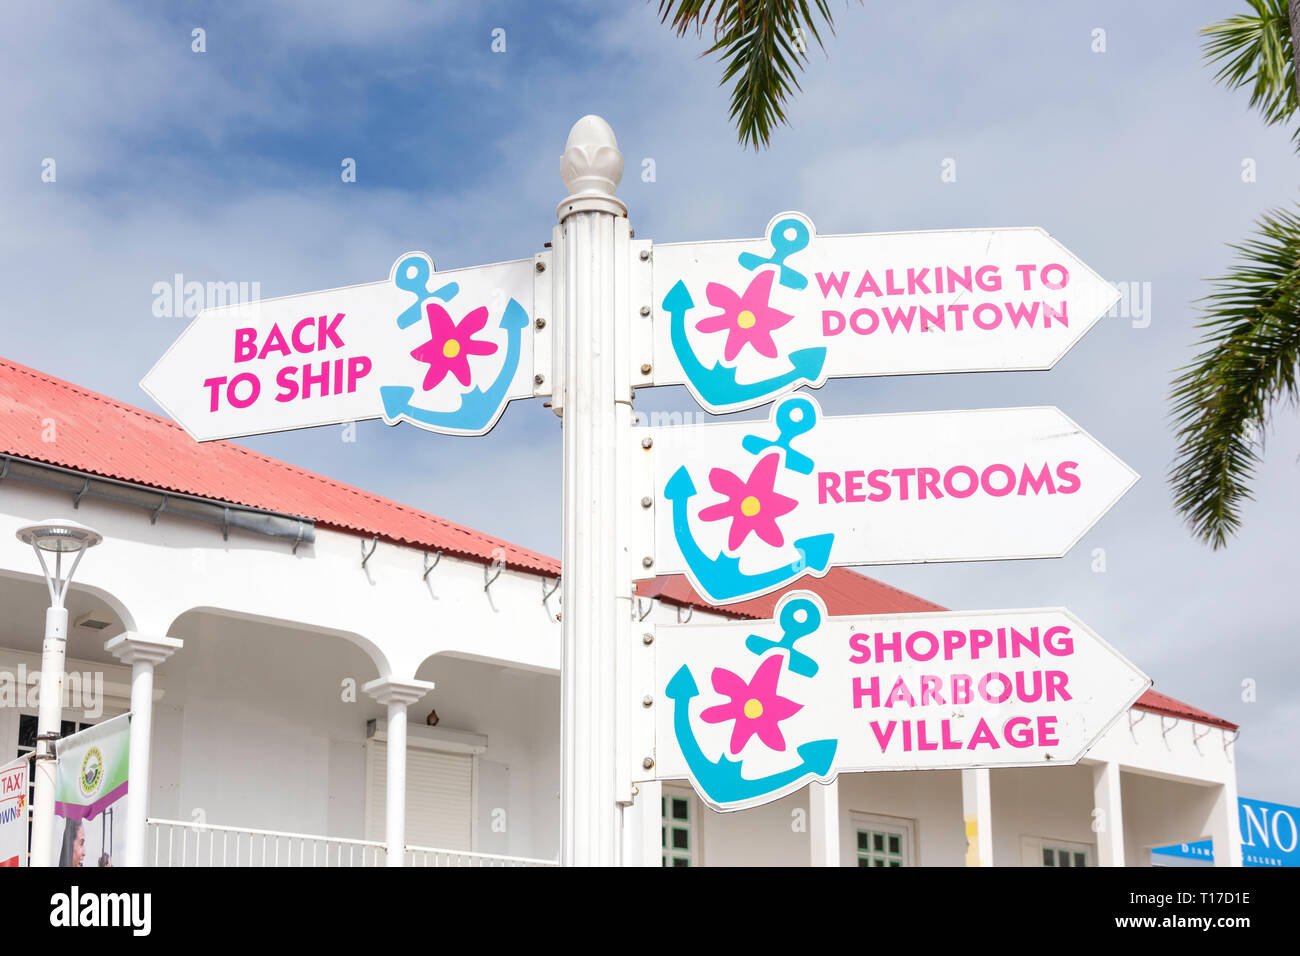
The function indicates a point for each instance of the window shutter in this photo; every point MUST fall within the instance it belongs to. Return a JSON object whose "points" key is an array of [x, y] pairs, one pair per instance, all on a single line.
{"points": [[439, 796]]}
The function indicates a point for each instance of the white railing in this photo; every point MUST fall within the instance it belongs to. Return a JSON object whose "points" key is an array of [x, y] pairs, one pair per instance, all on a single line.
{"points": [[184, 843], [431, 856]]}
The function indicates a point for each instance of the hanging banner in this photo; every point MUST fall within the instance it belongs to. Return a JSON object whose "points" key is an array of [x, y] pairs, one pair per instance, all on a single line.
{"points": [[90, 793], [754, 710], [13, 813]]}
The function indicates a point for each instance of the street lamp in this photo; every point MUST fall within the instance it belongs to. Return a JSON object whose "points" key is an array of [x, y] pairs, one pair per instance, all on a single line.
{"points": [[58, 538]]}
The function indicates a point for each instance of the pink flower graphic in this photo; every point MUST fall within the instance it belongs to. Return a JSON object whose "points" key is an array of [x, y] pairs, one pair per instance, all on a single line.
{"points": [[752, 504], [747, 317], [450, 345], [755, 706]]}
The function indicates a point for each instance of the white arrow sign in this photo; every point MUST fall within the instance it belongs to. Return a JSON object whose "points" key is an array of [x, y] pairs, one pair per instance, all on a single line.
{"points": [[443, 350], [746, 508], [753, 710], [742, 322]]}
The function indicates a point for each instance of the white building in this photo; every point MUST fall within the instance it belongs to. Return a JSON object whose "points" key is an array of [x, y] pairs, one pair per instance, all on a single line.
{"points": [[293, 622]]}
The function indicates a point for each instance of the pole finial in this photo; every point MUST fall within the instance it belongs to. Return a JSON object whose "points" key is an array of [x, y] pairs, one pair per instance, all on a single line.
{"points": [[591, 168]]}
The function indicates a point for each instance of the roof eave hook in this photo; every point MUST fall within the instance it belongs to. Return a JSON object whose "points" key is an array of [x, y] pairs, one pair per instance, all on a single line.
{"points": [[298, 540], [76, 502], [153, 519], [488, 581], [429, 567], [365, 555]]}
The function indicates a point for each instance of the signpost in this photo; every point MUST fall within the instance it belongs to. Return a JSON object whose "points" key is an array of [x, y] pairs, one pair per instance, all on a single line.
{"points": [[742, 508], [754, 710], [746, 508], [444, 351], [742, 322]]}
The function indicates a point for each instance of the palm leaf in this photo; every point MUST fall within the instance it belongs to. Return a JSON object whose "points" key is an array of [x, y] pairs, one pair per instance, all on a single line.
{"points": [[1254, 50], [762, 49], [1223, 399]]}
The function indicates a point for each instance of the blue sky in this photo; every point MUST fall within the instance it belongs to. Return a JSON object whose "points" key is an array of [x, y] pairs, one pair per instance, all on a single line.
{"points": [[224, 166]]}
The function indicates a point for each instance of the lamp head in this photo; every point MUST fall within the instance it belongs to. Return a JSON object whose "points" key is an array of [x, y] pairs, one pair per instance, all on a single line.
{"points": [[59, 536]]}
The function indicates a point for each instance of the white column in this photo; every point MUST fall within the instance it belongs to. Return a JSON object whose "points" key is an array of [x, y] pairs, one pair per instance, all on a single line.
{"points": [[397, 695], [824, 822], [1224, 825], [49, 721], [593, 227], [143, 653], [1107, 814], [977, 814]]}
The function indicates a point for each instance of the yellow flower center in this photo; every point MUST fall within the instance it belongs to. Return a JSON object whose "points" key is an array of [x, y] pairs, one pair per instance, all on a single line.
{"points": [[753, 709], [451, 348], [750, 506], [746, 319]]}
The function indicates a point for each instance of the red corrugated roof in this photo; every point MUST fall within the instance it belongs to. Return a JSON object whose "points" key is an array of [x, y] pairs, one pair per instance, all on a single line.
{"points": [[100, 436], [1163, 704], [843, 591]]}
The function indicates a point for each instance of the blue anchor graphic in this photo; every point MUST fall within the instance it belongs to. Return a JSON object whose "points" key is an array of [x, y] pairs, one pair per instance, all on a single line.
{"points": [[412, 274], [720, 578], [794, 416], [799, 616], [721, 780], [717, 387], [478, 407], [787, 236]]}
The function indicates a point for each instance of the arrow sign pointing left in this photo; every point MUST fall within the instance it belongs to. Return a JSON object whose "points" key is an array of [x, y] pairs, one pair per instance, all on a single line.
{"points": [[744, 508], [445, 351]]}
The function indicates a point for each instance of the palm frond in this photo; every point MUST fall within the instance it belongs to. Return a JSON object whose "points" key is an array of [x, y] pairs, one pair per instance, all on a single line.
{"points": [[762, 47], [1223, 399], [1254, 50]]}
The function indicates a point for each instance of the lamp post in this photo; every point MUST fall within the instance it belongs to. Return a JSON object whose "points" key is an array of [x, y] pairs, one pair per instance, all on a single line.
{"points": [[58, 538]]}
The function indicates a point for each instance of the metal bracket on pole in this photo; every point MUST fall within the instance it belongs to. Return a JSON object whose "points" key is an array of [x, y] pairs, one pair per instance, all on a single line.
{"points": [[639, 450], [544, 326], [641, 323], [643, 704]]}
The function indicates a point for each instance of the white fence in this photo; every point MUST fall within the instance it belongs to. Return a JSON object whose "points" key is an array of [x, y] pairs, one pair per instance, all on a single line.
{"points": [[185, 843], [430, 856]]}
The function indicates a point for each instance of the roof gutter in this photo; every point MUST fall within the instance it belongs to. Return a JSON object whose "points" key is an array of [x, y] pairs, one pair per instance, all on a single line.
{"points": [[224, 516]]}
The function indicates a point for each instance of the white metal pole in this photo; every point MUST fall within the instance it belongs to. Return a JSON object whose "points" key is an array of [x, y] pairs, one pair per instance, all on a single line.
{"points": [[593, 228], [824, 822], [48, 724]]}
